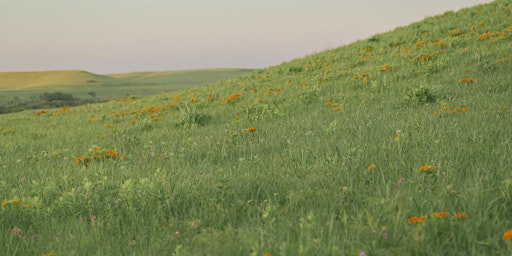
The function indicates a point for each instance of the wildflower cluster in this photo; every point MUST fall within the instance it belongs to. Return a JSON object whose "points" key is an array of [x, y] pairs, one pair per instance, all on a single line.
{"points": [[440, 215], [272, 91], [19, 202], [385, 68], [152, 109], [98, 153], [468, 80], [456, 32], [414, 219], [427, 168], [488, 35], [233, 97], [62, 110], [419, 44], [444, 110], [364, 77], [430, 56], [335, 106]]}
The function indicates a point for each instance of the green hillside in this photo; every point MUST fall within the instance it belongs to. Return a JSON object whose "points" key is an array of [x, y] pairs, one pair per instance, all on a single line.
{"points": [[395, 145]]}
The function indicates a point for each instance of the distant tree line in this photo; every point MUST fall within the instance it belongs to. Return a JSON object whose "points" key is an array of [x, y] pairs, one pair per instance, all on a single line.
{"points": [[46, 100]]}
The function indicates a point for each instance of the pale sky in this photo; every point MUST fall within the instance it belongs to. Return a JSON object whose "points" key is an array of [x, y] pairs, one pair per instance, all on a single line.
{"points": [[117, 36]]}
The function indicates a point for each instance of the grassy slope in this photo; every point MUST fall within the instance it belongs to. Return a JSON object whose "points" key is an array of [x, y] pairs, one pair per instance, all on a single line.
{"points": [[198, 182]]}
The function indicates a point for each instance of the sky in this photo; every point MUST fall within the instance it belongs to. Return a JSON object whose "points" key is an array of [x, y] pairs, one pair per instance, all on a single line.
{"points": [[120, 36]]}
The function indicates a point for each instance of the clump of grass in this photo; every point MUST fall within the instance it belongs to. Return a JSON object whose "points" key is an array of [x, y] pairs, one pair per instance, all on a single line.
{"points": [[423, 95], [420, 96], [190, 117]]}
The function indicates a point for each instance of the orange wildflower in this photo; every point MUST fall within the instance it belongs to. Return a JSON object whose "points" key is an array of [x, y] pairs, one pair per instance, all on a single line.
{"points": [[329, 103], [459, 215], [154, 118], [111, 153], [79, 159], [507, 235], [371, 167], [42, 112], [487, 35], [5, 203], [426, 168], [426, 57], [456, 32], [252, 129], [385, 68], [412, 220], [15, 201], [467, 80], [419, 44], [105, 135], [233, 97], [440, 214]]}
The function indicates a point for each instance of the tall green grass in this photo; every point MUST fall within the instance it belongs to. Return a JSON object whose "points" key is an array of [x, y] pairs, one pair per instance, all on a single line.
{"points": [[332, 154]]}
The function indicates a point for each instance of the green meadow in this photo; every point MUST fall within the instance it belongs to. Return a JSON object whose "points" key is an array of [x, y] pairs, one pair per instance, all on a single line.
{"points": [[400, 144]]}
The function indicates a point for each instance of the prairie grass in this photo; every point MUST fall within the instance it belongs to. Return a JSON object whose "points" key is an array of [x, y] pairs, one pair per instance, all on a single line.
{"points": [[324, 155]]}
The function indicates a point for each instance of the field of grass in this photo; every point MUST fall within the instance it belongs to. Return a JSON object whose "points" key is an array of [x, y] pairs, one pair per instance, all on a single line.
{"points": [[396, 145]]}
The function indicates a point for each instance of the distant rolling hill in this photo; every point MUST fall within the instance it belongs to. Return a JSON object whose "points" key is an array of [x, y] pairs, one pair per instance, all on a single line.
{"points": [[183, 77], [70, 79], [25, 90], [50, 79]]}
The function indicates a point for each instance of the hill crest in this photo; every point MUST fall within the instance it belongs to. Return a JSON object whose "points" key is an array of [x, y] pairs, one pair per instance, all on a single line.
{"points": [[47, 79]]}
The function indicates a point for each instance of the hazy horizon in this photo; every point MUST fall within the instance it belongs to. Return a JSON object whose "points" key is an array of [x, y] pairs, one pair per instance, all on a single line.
{"points": [[117, 36]]}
